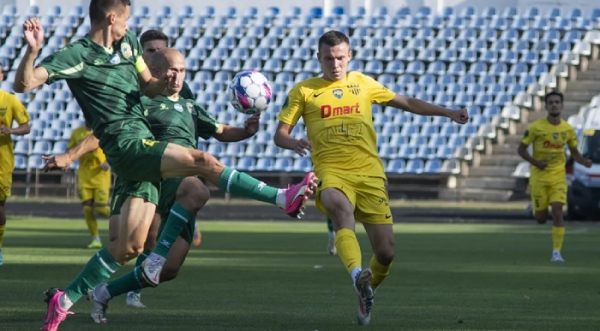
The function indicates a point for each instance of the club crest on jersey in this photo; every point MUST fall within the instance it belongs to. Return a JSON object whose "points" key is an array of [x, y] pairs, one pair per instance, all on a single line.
{"points": [[354, 89], [338, 93], [555, 135], [178, 107], [190, 107], [115, 59], [126, 50]]}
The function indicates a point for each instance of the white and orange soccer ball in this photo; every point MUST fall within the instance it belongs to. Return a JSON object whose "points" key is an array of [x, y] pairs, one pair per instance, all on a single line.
{"points": [[250, 92]]}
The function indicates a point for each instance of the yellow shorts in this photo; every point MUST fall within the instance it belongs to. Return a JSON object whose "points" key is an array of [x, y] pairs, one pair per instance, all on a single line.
{"points": [[544, 194], [368, 195], [98, 194], [5, 184]]}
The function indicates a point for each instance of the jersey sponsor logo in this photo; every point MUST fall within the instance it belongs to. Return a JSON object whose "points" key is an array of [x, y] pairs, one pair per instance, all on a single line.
{"points": [[178, 107], [317, 94], [163, 106], [190, 107], [329, 111], [338, 93], [354, 89], [115, 59], [126, 50], [551, 145]]}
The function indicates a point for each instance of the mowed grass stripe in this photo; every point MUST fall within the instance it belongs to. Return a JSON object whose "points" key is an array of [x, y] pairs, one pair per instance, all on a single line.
{"points": [[277, 276]]}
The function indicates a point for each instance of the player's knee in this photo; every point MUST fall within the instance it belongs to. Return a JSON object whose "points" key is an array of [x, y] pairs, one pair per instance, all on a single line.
{"points": [[193, 193], [541, 217], [385, 255], [203, 159]]}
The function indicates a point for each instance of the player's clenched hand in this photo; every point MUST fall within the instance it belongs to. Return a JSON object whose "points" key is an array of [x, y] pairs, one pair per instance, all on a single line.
{"points": [[252, 123], [104, 166], [4, 129], [460, 116], [57, 162], [541, 164], [588, 163], [34, 33], [302, 147]]}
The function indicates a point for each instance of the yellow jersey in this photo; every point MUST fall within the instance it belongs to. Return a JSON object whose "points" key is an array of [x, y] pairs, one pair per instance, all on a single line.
{"points": [[549, 144], [90, 175], [339, 122], [11, 109]]}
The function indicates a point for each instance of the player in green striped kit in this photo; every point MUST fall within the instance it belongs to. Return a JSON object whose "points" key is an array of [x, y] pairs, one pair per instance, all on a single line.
{"points": [[181, 121], [107, 76]]}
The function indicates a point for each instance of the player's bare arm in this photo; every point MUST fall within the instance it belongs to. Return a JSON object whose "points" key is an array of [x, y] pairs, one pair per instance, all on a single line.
{"points": [[421, 107], [27, 77], [576, 155], [524, 153], [22, 129], [227, 133], [63, 161], [284, 140]]}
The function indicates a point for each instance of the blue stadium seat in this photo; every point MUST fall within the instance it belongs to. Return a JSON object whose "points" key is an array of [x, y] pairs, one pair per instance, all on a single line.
{"points": [[449, 55], [510, 12], [432, 166], [246, 163], [532, 13], [264, 164], [414, 167], [395, 166], [283, 164], [42, 147]]}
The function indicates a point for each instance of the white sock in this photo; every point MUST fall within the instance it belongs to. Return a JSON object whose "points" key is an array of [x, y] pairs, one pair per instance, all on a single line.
{"points": [[64, 302], [101, 293], [153, 256], [354, 273], [97, 238], [280, 198]]}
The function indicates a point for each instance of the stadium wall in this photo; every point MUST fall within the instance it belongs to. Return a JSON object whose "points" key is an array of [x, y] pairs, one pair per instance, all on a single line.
{"points": [[392, 5]]}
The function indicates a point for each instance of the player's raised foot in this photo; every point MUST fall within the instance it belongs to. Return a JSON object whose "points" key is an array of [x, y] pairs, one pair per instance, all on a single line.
{"points": [[99, 308], [95, 244], [151, 268], [331, 244], [556, 257], [297, 195], [1, 258], [134, 300], [362, 285], [55, 314], [197, 236]]}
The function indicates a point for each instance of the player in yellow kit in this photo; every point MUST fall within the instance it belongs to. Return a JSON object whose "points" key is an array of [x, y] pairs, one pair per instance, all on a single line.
{"points": [[548, 179], [11, 110], [93, 183], [336, 109]]}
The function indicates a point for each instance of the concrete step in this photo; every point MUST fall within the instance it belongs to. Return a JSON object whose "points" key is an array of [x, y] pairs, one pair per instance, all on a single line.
{"points": [[491, 171], [476, 194], [513, 140], [589, 75], [496, 183], [508, 160], [501, 150]]}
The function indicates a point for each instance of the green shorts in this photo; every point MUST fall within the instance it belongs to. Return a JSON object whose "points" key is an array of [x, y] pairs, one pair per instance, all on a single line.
{"points": [[148, 191], [168, 193], [135, 159]]}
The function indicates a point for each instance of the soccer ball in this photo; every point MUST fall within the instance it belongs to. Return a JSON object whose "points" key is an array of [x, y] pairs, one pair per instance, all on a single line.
{"points": [[250, 92]]}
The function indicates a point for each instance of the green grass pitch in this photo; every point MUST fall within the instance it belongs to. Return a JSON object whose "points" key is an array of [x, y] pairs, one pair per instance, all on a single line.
{"points": [[277, 276]]}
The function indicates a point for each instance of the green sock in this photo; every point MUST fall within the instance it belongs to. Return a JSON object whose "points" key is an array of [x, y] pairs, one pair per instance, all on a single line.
{"points": [[131, 281], [329, 225], [97, 270], [178, 218], [246, 186], [140, 259]]}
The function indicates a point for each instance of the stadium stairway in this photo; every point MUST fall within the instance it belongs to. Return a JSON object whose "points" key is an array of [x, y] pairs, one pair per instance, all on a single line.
{"points": [[490, 177]]}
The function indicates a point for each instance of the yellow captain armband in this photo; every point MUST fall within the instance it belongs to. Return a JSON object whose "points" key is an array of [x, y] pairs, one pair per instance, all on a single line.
{"points": [[140, 64]]}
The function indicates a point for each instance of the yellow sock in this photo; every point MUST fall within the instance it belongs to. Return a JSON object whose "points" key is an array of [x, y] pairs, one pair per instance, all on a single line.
{"points": [[90, 220], [348, 249], [379, 271], [558, 235], [2, 228], [103, 211]]}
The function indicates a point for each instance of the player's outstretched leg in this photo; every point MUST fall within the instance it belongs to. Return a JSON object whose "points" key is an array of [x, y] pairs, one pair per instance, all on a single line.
{"points": [[180, 162]]}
